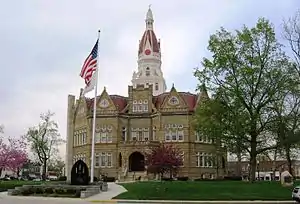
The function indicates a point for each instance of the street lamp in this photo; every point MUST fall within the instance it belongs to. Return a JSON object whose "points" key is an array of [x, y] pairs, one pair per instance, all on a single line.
{"points": [[258, 170]]}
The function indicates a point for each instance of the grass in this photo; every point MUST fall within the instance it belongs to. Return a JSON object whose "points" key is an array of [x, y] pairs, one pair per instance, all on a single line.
{"points": [[206, 190]]}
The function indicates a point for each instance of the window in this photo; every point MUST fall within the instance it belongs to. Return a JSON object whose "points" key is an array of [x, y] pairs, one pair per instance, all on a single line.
{"points": [[109, 160], [205, 160], [140, 134], [103, 159], [145, 134], [203, 139], [174, 133], [97, 137], [140, 106], [168, 136], [84, 139], [133, 135], [103, 137], [124, 134], [156, 86], [97, 159], [147, 71], [180, 135], [80, 137], [154, 134]]}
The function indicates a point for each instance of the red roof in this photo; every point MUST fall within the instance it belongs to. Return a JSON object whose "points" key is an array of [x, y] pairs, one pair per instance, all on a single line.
{"points": [[121, 102], [149, 36]]}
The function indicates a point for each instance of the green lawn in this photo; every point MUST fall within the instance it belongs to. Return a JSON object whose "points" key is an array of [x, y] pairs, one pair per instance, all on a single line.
{"points": [[205, 190]]}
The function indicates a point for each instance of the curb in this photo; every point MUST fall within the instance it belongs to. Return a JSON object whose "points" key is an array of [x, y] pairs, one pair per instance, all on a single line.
{"points": [[195, 202]]}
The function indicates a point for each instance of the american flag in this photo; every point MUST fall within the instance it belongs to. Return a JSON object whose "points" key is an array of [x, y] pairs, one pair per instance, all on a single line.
{"points": [[90, 65]]}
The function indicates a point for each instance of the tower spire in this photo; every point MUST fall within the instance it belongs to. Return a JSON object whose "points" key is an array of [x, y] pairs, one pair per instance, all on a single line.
{"points": [[149, 19]]}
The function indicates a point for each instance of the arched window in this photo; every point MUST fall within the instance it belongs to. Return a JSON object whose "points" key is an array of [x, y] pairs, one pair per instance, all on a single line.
{"points": [[124, 135], [154, 133], [147, 71], [156, 86]]}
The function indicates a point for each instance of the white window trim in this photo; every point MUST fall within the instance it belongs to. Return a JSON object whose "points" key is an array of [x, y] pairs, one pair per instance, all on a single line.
{"points": [[202, 139], [105, 156], [203, 156]]}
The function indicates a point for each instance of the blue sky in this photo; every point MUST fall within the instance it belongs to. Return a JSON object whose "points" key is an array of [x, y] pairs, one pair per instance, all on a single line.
{"points": [[44, 43]]}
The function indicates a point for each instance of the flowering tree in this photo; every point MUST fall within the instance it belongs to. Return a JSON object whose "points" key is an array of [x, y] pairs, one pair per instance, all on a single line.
{"points": [[164, 158], [12, 154], [44, 139]]}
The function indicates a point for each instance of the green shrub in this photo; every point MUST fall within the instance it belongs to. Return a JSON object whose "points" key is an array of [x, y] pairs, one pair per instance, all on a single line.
{"points": [[48, 190], [39, 190], [71, 191], [26, 191], [60, 191]]}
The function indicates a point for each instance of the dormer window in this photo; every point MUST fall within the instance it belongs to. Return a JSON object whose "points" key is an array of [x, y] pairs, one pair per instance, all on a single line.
{"points": [[147, 71]]}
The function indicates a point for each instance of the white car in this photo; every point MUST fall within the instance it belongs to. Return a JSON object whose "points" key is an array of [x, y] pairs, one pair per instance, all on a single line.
{"points": [[296, 194]]}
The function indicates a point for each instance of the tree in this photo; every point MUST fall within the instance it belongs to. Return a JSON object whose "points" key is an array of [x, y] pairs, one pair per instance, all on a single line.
{"points": [[248, 71], [44, 139], [291, 32], [57, 166], [164, 158], [12, 154], [286, 124]]}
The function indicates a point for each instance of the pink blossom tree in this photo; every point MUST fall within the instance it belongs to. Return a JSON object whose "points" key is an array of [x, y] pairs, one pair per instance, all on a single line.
{"points": [[12, 154], [164, 158]]}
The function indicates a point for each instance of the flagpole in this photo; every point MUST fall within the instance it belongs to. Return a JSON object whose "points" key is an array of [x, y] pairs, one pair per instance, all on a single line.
{"points": [[94, 116]]}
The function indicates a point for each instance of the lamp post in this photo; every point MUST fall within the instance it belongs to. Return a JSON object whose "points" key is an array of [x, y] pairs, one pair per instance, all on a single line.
{"points": [[258, 170]]}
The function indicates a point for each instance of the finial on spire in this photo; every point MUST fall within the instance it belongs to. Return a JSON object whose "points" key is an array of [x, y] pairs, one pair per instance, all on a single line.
{"points": [[150, 6], [172, 85], [104, 88]]}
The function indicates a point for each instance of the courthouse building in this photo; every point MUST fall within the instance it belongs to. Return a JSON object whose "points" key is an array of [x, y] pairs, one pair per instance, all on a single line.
{"points": [[127, 126]]}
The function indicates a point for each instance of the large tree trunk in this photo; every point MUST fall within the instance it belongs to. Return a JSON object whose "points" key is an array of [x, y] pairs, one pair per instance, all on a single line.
{"points": [[274, 165], [44, 169], [239, 162], [289, 160], [0, 172], [253, 154]]}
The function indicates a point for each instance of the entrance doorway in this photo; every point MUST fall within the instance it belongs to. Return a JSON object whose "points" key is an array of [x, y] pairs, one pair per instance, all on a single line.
{"points": [[136, 162]]}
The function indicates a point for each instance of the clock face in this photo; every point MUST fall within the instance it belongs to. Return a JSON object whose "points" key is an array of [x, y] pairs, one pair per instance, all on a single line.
{"points": [[147, 52], [104, 103]]}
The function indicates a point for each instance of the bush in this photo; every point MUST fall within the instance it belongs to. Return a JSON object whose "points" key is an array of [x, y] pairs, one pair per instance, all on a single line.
{"points": [[109, 179], [184, 178], [232, 178], [62, 178], [48, 190], [167, 179], [39, 190]]}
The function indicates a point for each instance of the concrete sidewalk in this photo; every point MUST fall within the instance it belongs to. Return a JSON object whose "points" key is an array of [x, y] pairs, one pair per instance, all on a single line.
{"points": [[113, 190]]}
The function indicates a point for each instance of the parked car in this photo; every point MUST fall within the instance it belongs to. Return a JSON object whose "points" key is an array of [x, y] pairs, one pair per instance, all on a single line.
{"points": [[296, 194]]}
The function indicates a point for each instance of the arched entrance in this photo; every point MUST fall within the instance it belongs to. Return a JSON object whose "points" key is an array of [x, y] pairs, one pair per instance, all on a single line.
{"points": [[80, 173], [136, 162]]}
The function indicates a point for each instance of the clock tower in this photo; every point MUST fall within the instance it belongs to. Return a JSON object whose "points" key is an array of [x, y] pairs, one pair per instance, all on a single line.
{"points": [[149, 60]]}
